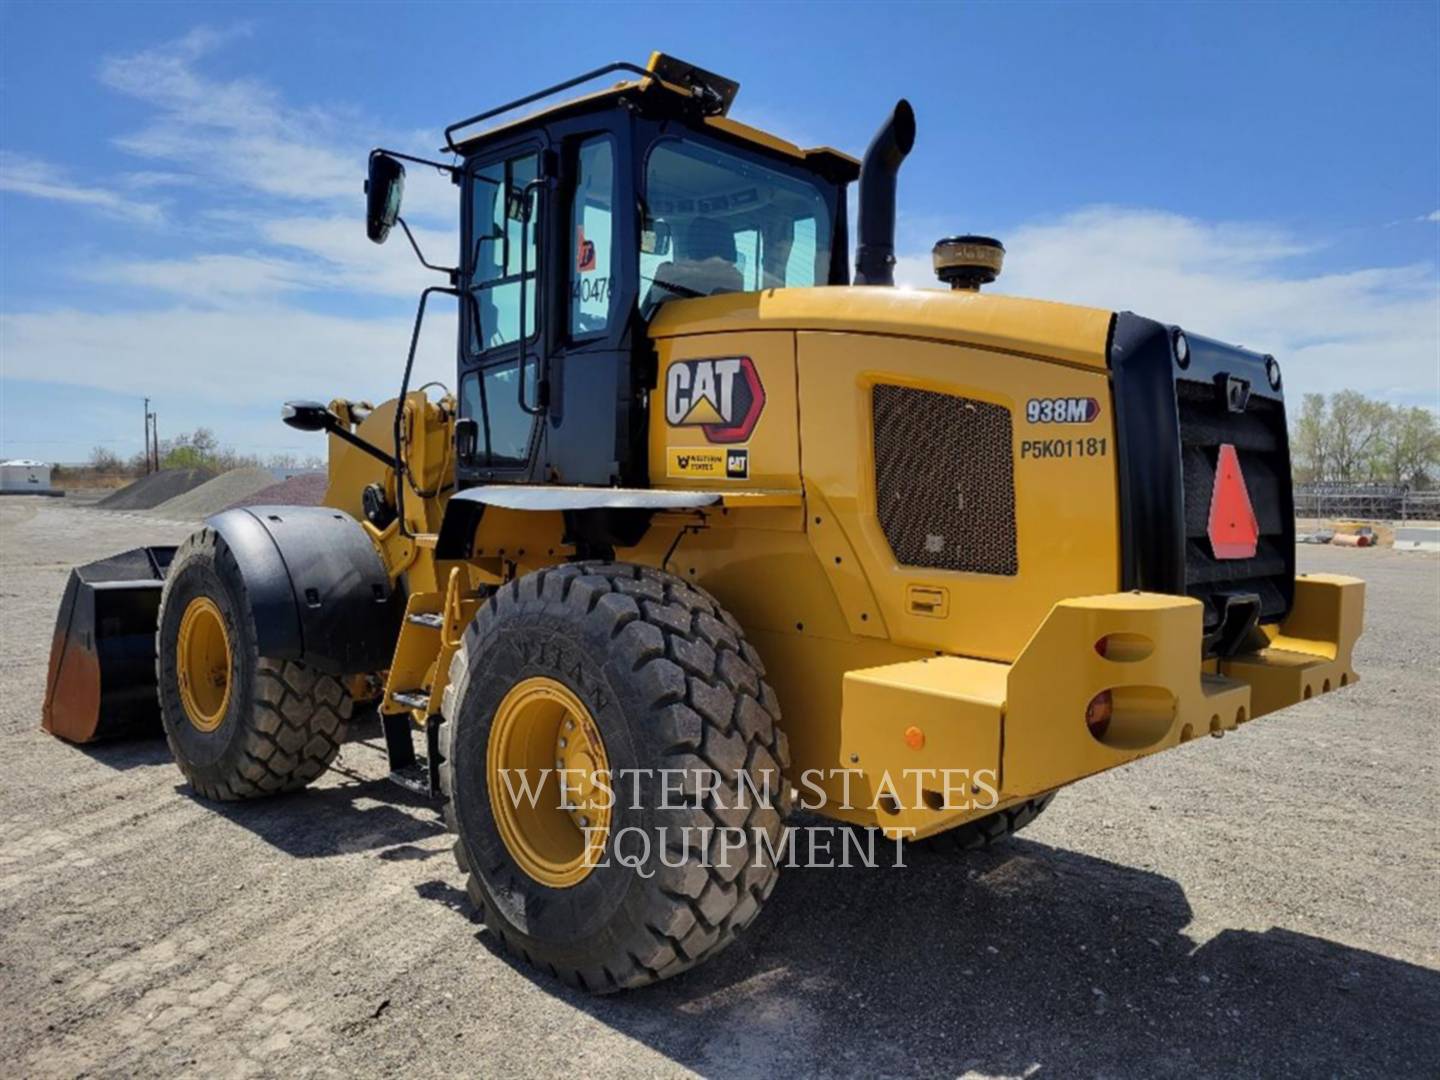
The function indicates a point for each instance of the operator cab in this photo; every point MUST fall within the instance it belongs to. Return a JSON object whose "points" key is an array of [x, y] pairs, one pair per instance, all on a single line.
{"points": [[577, 223]]}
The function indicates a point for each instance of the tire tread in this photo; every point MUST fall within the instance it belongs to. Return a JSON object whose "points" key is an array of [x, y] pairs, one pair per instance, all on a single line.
{"points": [[707, 691]]}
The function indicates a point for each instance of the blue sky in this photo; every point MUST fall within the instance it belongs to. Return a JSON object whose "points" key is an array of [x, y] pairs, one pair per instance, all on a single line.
{"points": [[180, 185]]}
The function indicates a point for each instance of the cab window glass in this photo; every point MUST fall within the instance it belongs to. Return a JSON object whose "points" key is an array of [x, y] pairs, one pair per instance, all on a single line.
{"points": [[717, 223], [496, 256], [591, 217], [490, 398], [801, 260]]}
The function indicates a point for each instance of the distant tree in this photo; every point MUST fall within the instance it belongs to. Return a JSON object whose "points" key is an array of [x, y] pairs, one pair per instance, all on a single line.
{"points": [[105, 460], [200, 449], [180, 454], [1352, 439], [1309, 442], [1407, 450], [1354, 427]]}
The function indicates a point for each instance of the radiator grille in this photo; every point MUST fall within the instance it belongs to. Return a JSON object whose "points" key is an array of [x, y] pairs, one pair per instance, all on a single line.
{"points": [[945, 480]]}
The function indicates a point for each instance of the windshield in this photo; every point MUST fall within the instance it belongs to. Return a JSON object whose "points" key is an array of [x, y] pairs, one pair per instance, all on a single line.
{"points": [[720, 223]]}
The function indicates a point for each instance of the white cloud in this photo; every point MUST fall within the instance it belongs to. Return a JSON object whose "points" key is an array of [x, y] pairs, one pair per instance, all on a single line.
{"points": [[281, 214], [244, 136], [261, 355], [355, 264], [1376, 330], [1434, 215], [144, 180], [40, 180], [213, 280], [322, 255]]}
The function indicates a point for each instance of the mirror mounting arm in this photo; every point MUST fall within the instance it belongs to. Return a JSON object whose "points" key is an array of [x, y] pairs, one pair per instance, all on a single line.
{"points": [[454, 171], [452, 272]]}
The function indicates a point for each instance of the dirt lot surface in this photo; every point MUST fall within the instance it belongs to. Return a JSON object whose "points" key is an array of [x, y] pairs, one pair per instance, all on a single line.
{"points": [[1267, 904]]}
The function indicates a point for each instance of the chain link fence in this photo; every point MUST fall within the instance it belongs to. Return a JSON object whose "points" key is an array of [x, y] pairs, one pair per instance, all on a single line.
{"points": [[1366, 502]]}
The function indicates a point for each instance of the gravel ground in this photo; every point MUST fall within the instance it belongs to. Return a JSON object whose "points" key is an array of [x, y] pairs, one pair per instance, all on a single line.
{"points": [[157, 487], [1262, 905], [307, 489], [215, 495]]}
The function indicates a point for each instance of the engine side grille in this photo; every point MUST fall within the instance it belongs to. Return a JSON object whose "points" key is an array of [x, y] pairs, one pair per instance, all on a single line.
{"points": [[945, 480]]}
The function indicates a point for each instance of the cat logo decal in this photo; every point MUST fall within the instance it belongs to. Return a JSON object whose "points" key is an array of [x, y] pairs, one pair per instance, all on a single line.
{"points": [[722, 397]]}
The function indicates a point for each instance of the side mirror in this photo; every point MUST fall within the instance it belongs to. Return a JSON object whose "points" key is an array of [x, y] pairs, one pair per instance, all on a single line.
{"points": [[306, 416], [467, 439], [384, 189]]}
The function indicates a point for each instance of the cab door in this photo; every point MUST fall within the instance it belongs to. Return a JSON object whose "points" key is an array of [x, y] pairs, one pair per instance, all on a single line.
{"points": [[502, 269], [595, 425]]}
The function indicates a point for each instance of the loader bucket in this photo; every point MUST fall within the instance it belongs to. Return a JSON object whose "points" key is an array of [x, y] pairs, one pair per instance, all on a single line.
{"points": [[101, 682]]}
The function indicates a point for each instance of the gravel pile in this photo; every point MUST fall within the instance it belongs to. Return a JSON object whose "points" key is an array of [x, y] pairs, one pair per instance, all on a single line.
{"points": [[307, 489], [152, 490], [215, 495]]}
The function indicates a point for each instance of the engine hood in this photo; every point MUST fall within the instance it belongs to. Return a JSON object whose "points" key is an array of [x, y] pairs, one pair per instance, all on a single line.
{"points": [[1063, 332]]}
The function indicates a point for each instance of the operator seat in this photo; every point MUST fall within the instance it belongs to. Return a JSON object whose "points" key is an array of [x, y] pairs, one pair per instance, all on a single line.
{"points": [[705, 266]]}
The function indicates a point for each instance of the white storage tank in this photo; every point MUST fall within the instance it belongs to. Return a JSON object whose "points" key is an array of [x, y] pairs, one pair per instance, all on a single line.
{"points": [[24, 477]]}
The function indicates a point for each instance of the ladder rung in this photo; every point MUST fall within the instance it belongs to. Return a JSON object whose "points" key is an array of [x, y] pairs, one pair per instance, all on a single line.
{"points": [[433, 621]]}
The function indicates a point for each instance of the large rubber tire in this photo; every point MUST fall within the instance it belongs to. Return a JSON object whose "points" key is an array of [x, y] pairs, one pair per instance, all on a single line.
{"points": [[283, 722], [982, 832], [671, 683]]}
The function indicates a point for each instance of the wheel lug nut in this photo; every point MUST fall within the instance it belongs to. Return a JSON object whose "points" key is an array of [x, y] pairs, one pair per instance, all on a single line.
{"points": [[562, 742]]}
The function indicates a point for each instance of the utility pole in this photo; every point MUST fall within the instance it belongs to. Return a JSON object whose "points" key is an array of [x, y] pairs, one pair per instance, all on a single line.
{"points": [[147, 434], [155, 435]]}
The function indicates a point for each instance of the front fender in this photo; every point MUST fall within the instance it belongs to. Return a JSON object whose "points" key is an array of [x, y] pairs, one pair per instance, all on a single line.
{"points": [[316, 586]]}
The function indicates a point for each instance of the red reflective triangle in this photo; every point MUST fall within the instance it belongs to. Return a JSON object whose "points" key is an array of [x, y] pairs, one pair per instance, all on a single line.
{"points": [[1233, 530]]}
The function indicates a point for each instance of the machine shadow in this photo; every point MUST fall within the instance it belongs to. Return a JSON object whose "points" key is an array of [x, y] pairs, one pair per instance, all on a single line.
{"points": [[359, 813], [321, 822], [125, 754], [1023, 957]]}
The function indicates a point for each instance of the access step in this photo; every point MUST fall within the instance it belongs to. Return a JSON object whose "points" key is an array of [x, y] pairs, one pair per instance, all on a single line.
{"points": [[407, 768], [414, 777], [413, 699]]}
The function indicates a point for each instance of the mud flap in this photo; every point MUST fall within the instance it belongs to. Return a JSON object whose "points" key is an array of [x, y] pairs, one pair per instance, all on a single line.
{"points": [[101, 682]]}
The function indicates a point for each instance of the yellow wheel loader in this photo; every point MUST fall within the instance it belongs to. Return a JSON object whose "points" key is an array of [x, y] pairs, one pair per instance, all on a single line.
{"points": [[710, 527]]}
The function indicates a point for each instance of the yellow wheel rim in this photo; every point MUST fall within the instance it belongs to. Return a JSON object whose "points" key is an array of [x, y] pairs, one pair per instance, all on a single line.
{"points": [[203, 663], [541, 732]]}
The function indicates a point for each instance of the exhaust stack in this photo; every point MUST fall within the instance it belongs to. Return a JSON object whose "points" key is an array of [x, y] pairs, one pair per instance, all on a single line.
{"points": [[875, 246]]}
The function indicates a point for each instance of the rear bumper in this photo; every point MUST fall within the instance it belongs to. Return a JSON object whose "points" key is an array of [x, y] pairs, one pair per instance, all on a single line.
{"points": [[914, 731]]}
